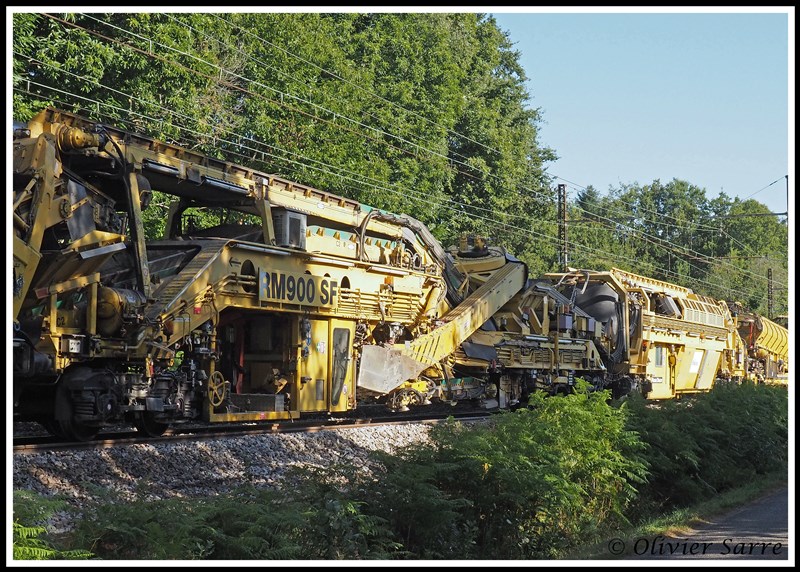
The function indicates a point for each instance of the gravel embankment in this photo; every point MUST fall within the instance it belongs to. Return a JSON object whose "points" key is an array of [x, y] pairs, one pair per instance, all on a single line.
{"points": [[200, 468]]}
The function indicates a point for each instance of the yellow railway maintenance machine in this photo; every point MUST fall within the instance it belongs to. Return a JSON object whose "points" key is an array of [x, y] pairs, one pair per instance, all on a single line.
{"points": [[762, 348], [615, 329], [266, 312], [678, 338]]}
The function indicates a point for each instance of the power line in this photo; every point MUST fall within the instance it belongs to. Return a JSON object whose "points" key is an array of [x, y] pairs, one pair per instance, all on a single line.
{"points": [[762, 189], [664, 244], [353, 178], [358, 87], [663, 215], [751, 214], [524, 231], [231, 73], [282, 73], [222, 69]]}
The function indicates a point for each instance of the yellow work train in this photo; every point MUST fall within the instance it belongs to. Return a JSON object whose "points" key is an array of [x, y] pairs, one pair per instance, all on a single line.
{"points": [[307, 301], [288, 311], [625, 332]]}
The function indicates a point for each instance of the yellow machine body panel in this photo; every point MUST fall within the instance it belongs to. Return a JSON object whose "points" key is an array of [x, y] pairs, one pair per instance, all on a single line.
{"points": [[313, 367], [210, 313], [384, 369]]}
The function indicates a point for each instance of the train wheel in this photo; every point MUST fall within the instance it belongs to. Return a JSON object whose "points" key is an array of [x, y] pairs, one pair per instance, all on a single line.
{"points": [[65, 423], [405, 397], [147, 424], [75, 431]]}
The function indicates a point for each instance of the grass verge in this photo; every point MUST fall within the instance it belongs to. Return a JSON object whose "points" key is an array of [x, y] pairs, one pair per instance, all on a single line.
{"points": [[680, 522]]}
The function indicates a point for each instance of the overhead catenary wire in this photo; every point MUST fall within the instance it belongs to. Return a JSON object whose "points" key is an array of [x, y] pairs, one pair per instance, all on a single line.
{"points": [[460, 210], [664, 215], [698, 255], [282, 73], [249, 92], [360, 88], [668, 246], [764, 188], [468, 206], [237, 87], [337, 76], [350, 176], [614, 257]]}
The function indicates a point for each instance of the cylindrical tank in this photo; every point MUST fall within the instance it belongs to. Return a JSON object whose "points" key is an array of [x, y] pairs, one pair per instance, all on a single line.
{"points": [[113, 304], [599, 300], [763, 336], [774, 339]]}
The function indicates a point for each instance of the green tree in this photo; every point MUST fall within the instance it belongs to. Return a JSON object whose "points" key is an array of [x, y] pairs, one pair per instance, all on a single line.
{"points": [[422, 114]]}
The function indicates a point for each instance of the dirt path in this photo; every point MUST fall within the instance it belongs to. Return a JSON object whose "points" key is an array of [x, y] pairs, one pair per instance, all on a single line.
{"points": [[758, 530]]}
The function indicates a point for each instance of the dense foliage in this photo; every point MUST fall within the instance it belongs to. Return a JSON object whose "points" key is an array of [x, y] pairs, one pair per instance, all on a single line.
{"points": [[29, 534], [699, 447], [532, 484], [425, 114]]}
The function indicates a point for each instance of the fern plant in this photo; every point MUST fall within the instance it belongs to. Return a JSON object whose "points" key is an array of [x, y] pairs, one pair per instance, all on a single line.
{"points": [[28, 546], [30, 511]]}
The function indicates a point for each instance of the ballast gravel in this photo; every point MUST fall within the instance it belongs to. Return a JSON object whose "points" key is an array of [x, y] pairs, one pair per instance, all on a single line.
{"points": [[192, 469]]}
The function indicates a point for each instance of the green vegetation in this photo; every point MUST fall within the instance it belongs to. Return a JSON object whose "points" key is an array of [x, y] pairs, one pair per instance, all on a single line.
{"points": [[538, 483], [699, 447], [30, 541], [423, 114]]}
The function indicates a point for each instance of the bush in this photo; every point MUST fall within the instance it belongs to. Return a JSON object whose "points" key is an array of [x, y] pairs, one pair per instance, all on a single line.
{"points": [[530, 485], [709, 443], [245, 524], [313, 522]]}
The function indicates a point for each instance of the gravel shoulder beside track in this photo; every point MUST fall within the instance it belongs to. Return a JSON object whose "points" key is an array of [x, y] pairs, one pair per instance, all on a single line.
{"points": [[199, 468]]}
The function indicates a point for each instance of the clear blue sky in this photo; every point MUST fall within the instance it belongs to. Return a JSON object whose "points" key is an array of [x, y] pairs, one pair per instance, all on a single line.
{"points": [[630, 98]]}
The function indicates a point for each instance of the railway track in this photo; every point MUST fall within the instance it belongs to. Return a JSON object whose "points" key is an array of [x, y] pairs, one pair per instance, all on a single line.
{"points": [[39, 443]]}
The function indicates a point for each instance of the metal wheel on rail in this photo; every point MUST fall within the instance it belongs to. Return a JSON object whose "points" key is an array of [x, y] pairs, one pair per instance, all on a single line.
{"points": [[402, 399], [67, 426], [147, 424]]}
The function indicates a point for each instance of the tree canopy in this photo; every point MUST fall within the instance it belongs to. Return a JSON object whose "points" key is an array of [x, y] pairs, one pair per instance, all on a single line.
{"points": [[416, 113]]}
